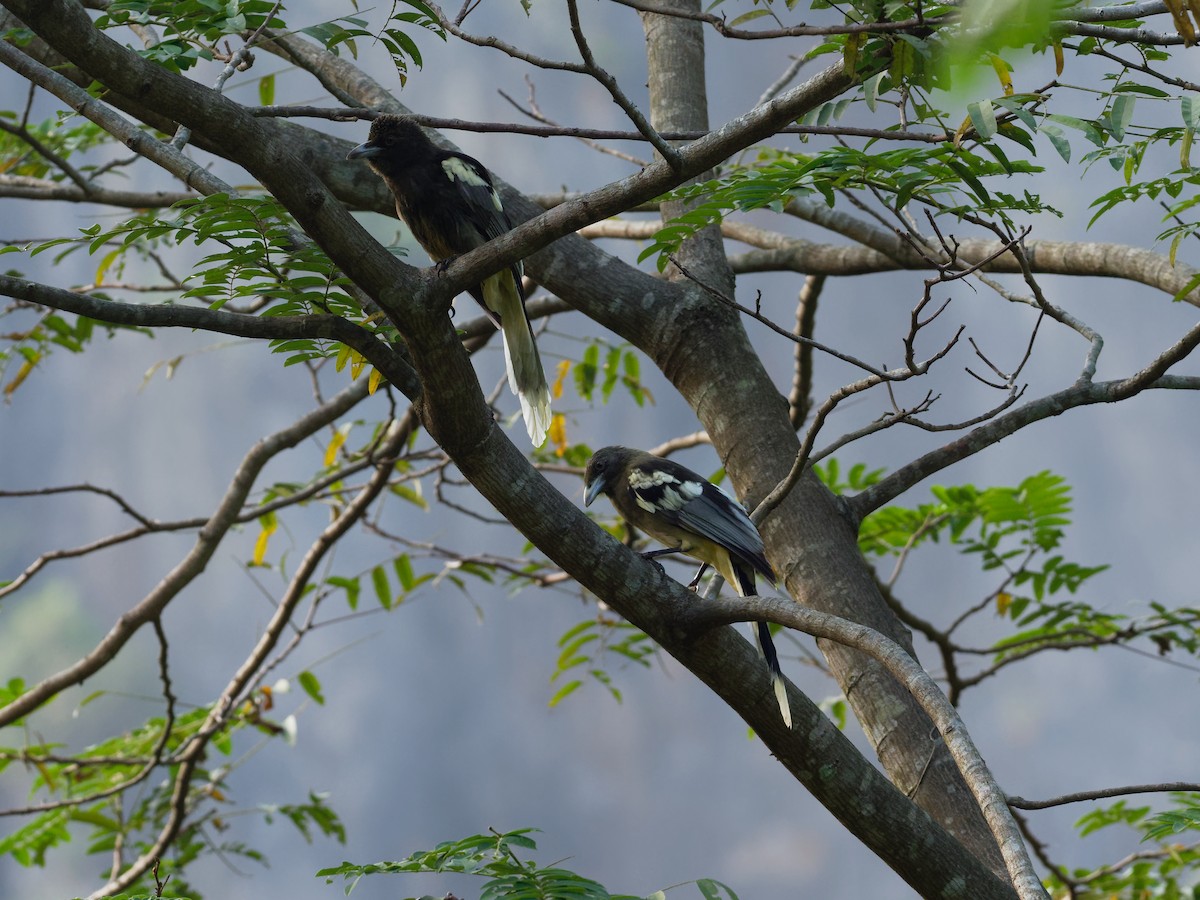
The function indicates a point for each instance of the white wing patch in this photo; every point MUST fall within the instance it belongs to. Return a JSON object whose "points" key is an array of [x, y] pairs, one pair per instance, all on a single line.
{"points": [[656, 491], [457, 170]]}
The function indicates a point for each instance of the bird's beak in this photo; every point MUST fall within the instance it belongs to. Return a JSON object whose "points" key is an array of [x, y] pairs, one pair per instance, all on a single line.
{"points": [[363, 151], [593, 491]]}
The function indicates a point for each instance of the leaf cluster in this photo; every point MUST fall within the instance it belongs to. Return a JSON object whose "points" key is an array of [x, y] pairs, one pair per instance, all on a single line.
{"points": [[620, 366], [949, 180], [494, 858], [63, 782], [587, 646], [1167, 869], [64, 136], [345, 31], [191, 29], [255, 254]]}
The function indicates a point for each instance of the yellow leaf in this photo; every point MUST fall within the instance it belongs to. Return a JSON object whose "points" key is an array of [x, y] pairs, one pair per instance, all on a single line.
{"points": [[105, 263], [563, 368], [854, 43], [22, 374], [1175, 241], [335, 443], [1002, 73], [269, 524], [558, 434], [962, 130], [343, 357], [1183, 22], [47, 775], [356, 364], [1003, 602], [374, 381], [373, 317], [1058, 58]]}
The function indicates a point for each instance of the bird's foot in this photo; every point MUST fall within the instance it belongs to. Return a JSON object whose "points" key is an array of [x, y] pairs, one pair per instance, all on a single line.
{"points": [[652, 556], [442, 264], [695, 582]]}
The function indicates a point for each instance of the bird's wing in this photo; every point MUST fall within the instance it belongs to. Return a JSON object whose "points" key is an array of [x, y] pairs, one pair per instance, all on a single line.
{"points": [[683, 499], [479, 199]]}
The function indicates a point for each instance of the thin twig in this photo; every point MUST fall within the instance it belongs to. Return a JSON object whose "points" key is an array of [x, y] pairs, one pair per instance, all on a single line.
{"points": [[1103, 793]]}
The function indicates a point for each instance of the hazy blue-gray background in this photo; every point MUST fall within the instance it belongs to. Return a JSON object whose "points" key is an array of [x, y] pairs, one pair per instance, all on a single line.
{"points": [[437, 724]]}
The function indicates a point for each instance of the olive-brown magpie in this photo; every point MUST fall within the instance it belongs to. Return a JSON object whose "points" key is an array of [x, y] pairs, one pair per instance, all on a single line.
{"points": [[688, 514], [450, 205]]}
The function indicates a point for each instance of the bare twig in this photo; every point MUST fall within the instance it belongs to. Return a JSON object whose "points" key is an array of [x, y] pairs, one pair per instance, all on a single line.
{"points": [[722, 28], [223, 517], [1103, 793], [668, 153], [1153, 376], [797, 63], [191, 753], [800, 398], [537, 115], [683, 442]]}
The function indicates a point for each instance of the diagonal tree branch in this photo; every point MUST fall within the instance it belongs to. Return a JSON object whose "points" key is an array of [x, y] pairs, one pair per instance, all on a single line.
{"points": [[924, 689]]}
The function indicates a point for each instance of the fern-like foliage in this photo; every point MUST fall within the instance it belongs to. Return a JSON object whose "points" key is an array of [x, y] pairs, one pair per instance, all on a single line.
{"points": [[495, 858]]}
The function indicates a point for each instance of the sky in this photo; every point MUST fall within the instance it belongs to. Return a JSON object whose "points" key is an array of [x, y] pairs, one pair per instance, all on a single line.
{"points": [[437, 724]]}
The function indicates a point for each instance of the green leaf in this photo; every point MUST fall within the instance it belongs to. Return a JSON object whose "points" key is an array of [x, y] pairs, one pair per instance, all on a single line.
{"points": [[871, 89], [586, 371], [404, 571], [351, 586], [266, 90], [565, 691], [983, 117], [311, 686], [711, 889], [1193, 283], [1088, 129], [749, 16], [1129, 87], [1121, 115], [383, 591], [1058, 139], [1189, 108], [612, 372]]}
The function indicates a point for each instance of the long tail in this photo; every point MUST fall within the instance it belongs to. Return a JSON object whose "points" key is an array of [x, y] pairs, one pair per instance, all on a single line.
{"points": [[766, 646], [525, 374], [741, 576]]}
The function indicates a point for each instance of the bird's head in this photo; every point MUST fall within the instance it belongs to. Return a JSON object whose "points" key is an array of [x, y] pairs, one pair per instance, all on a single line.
{"points": [[602, 471], [393, 141]]}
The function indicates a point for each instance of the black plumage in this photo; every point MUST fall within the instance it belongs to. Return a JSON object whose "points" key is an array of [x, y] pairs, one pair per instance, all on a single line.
{"points": [[689, 514], [450, 205]]}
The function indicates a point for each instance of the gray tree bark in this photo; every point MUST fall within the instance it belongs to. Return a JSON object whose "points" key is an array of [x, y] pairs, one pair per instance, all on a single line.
{"points": [[706, 354]]}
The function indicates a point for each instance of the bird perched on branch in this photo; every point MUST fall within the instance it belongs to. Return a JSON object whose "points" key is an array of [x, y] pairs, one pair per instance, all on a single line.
{"points": [[450, 205], [688, 514]]}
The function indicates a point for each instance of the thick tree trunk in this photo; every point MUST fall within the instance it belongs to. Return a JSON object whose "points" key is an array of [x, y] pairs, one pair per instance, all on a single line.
{"points": [[707, 356]]}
